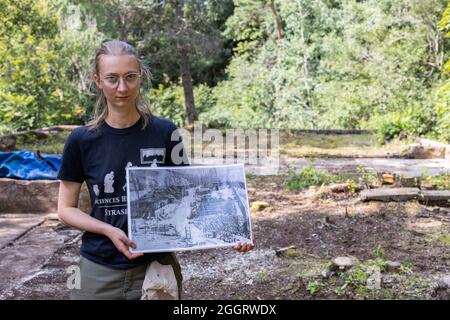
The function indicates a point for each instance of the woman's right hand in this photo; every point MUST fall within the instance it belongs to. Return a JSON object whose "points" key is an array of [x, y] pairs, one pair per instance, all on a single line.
{"points": [[122, 243]]}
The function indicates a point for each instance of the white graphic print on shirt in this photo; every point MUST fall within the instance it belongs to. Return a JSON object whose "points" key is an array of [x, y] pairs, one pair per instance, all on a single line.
{"points": [[96, 190], [149, 155], [129, 164], [109, 181]]}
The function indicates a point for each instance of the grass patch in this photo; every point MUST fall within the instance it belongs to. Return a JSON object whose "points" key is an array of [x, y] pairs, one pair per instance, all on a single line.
{"points": [[439, 182], [311, 177], [445, 239], [314, 287], [262, 276], [338, 146]]}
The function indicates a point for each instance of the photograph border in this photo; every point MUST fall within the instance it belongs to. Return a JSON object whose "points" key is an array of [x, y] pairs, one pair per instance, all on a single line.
{"points": [[130, 237]]}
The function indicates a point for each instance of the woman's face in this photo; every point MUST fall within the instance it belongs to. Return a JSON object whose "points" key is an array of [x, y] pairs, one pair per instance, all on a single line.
{"points": [[119, 79]]}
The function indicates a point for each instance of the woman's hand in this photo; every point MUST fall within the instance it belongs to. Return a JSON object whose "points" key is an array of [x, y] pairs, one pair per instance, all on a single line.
{"points": [[122, 243], [243, 247]]}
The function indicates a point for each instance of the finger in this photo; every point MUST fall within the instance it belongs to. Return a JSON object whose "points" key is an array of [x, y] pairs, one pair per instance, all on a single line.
{"points": [[121, 246], [135, 255], [124, 251], [127, 241], [131, 255]]}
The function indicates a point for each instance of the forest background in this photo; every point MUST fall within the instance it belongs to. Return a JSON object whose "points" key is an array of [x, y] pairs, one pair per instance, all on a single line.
{"points": [[288, 64]]}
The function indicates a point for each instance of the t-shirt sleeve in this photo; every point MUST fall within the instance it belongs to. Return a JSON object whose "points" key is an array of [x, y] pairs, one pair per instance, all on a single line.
{"points": [[176, 153], [71, 168]]}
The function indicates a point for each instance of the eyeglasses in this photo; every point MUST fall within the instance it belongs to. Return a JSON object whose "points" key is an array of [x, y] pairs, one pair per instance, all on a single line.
{"points": [[130, 79]]}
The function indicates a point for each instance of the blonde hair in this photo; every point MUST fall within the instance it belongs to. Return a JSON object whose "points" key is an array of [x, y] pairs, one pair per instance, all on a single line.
{"points": [[117, 48]]}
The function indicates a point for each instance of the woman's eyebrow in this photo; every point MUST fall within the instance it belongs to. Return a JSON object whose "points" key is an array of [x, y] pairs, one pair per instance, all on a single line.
{"points": [[117, 74]]}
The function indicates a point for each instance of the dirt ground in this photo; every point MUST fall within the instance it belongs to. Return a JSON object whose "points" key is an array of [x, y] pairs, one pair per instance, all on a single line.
{"points": [[322, 225]]}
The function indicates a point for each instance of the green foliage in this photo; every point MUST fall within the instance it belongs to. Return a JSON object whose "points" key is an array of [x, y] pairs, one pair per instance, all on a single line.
{"points": [[54, 144], [339, 64], [314, 287], [310, 177], [357, 277], [379, 252], [380, 263], [415, 120], [152, 27], [261, 276], [247, 26], [442, 91], [168, 101], [366, 177], [342, 64], [405, 268], [439, 182], [38, 86]]}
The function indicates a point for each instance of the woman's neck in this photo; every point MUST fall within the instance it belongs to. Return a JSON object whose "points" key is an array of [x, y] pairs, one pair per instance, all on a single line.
{"points": [[120, 119]]}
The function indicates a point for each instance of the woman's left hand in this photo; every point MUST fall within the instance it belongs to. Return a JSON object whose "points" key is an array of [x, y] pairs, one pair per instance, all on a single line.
{"points": [[243, 247]]}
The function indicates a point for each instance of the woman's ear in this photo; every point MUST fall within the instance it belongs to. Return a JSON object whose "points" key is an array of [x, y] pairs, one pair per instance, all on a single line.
{"points": [[97, 81]]}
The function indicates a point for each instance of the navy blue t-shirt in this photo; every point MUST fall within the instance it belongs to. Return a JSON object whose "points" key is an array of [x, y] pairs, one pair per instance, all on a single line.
{"points": [[99, 158]]}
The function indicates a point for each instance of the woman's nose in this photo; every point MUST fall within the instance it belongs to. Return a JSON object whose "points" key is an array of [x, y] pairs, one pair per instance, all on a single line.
{"points": [[122, 86]]}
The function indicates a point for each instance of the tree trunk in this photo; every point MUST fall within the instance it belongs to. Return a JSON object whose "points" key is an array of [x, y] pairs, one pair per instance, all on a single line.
{"points": [[183, 60], [277, 20], [189, 103], [305, 67]]}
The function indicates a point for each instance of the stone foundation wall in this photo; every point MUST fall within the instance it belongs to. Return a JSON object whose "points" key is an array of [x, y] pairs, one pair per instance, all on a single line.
{"points": [[24, 196], [429, 149]]}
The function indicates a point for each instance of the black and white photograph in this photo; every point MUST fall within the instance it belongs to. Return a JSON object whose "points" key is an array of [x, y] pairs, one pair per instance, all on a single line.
{"points": [[187, 208]]}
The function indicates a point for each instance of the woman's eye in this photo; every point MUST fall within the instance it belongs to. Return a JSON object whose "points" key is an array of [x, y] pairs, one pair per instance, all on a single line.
{"points": [[111, 79], [131, 77]]}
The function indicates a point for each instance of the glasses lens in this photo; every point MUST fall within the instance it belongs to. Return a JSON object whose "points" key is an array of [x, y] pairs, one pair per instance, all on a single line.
{"points": [[113, 81], [131, 78]]}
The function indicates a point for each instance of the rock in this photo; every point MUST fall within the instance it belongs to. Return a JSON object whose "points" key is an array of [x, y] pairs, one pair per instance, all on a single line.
{"points": [[52, 216], [426, 149], [435, 197], [29, 256], [259, 205], [289, 252], [388, 279], [13, 226], [444, 282], [251, 190], [434, 149], [442, 290], [389, 194], [342, 263], [393, 266], [7, 143]]}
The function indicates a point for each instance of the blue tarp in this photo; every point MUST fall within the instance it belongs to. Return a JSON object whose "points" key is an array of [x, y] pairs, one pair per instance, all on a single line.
{"points": [[28, 165]]}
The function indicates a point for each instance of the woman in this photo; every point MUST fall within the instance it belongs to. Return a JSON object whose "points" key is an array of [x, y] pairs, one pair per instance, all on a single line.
{"points": [[98, 153]]}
